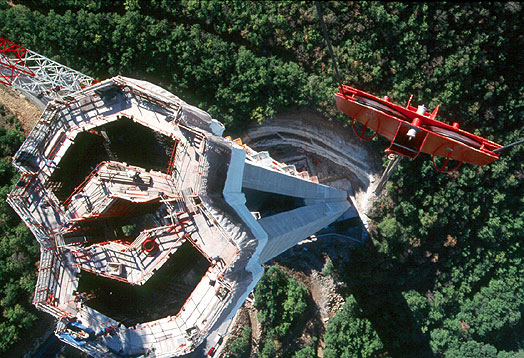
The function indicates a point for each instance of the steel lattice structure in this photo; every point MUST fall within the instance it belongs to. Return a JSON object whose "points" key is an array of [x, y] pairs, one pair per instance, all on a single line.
{"points": [[42, 77]]}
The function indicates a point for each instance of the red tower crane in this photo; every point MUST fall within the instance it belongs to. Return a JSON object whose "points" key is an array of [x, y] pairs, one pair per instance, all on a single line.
{"points": [[38, 75]]}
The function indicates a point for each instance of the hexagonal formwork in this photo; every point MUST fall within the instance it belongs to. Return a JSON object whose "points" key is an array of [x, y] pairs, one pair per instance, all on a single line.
{"points": [[139, 206], [162, 295]]}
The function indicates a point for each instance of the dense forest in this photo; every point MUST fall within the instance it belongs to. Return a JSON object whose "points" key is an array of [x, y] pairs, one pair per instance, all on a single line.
{"points": [[443, 272], [18, 248]]}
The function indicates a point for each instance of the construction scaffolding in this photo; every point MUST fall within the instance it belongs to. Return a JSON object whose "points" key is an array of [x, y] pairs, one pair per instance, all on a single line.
{"points": [[122, 182]]}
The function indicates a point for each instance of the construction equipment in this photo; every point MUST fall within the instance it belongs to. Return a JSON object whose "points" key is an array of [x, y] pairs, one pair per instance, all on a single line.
{"points": [[414, 130], [38, 75]]}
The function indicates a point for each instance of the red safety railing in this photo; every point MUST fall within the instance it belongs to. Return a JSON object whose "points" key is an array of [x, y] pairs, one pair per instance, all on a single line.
{"points": [[57, 147], [195, 245], [18, 190], [171, 165]]}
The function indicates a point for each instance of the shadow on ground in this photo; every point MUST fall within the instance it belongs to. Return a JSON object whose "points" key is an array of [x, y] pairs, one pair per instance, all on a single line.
{"points": [[377, 283]]}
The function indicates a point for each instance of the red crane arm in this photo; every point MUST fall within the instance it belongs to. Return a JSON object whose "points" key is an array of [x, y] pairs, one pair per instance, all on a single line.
{"points": [[413, 130], [12, 63]]}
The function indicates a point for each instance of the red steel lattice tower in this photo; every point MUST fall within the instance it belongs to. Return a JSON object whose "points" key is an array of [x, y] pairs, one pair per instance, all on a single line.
{"points": [[38, 75]]}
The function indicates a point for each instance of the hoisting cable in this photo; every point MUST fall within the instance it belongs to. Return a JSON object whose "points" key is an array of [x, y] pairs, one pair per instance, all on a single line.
{"points": [[326, 38], [394, 159], [508, 146]]}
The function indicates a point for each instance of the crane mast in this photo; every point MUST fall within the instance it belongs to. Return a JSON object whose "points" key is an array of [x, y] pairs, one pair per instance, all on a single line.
{"points": [[37, 75]]}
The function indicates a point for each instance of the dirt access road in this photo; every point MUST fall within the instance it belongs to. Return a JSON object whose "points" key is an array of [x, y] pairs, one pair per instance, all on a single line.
{"points": [[26, 112]]}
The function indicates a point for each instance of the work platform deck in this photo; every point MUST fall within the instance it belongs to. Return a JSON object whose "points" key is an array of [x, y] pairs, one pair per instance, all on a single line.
{"points": [[123, 181]]}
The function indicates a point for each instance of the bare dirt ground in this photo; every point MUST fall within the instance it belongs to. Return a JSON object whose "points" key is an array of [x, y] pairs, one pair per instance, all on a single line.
{"points": [[256, 327], [326, 149], [305, 263], [25, 111]]}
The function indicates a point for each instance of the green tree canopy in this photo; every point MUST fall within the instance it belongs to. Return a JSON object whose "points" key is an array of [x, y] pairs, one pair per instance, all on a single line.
{"points": [[350, 335]]}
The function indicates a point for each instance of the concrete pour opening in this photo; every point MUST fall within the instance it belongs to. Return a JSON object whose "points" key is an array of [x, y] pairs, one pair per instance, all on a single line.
{"points": [[82, 157], [125, 228], [139, 145], [122, 140], [163, 294]]}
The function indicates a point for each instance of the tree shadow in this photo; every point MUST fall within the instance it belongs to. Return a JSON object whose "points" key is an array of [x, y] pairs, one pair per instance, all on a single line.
{"points": [[304, 330], [377, 282]]}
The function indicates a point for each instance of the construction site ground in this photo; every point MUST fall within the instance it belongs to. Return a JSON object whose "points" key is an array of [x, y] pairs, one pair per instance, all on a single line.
{"points": [[305, 263], [26, 112], [325, 148], [330, 151]]}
